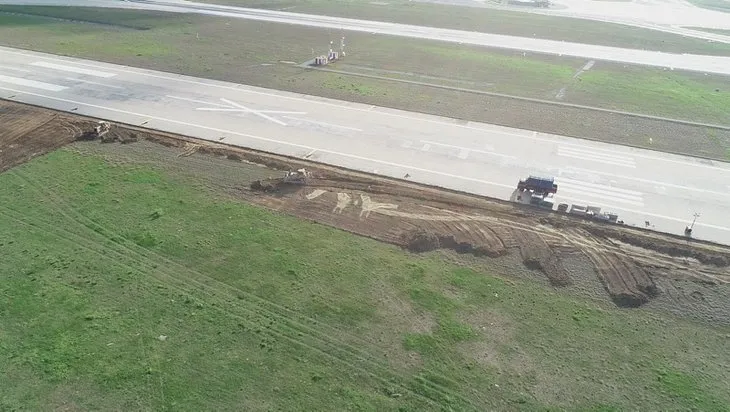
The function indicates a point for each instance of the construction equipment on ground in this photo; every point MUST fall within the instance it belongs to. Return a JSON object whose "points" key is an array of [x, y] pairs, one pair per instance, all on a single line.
{"points": [[102, 128], [98, 132], [299, 177], [537, 184], [541, 190]]}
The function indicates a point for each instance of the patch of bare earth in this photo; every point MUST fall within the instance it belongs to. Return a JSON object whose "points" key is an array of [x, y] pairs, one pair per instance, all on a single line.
{"points": [[397, 318], [494, 330], [27, 132]]}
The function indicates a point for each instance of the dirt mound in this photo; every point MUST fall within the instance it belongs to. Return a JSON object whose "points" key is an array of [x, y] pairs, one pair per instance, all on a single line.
{"points": [[667, 246], [537, 255], [263, 185], [422, 241], [628, 284]]}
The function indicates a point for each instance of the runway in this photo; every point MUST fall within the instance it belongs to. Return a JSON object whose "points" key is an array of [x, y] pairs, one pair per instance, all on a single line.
{"points": [[674, 61], [639, 185]]}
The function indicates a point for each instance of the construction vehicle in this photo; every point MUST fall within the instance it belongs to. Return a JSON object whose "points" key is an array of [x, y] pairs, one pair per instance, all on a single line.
{"points": [[102, 128], [543, 185], [99, 131], [298, 177], [541, 191]]}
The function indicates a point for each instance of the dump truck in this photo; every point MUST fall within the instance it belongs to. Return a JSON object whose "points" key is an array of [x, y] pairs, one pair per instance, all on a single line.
{"points": [[540, 185]]}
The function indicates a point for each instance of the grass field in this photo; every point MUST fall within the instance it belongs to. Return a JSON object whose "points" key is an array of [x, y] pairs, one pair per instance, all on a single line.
{"points": [[488, 20], [716, 31], [213, 48], [126, 287]]}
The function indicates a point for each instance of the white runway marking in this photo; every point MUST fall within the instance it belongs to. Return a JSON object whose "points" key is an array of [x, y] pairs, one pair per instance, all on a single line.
{"points": [[94, 83], [265, 139], [653, 182], [73, 69], [599, 191], [596, 156], [407, 167], [319, 123], [31, 83], [239, 108], [466, 150], [15, 69], [242, 88], [197, 101]]}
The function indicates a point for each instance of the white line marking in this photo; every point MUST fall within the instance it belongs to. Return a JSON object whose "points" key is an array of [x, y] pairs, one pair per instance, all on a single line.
{"points": [[580, 183], [428, 142], [15, 69], [31, 83], [311, 152], [236, 110], [652, 182], [73, 69], [240, 106], [598, 153], [596, 192], [598, 196], [215, 129], [319, 123], [590, 190], [94, 83], [343, 154], [197, 101], [241, 88], [597, 159]]}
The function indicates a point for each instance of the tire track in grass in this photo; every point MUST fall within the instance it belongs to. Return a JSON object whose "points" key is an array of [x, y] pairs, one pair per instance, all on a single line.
{"points": [[255, 321], [297, 328]]}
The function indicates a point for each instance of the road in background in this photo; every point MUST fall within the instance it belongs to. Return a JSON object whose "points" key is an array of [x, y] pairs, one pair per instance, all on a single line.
{"points": [[699, 63], [640, 185], [671, 16]]}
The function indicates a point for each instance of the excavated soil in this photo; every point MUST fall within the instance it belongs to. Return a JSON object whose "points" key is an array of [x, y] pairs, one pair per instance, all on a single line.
{"points": [[635, 266], [27, 132]]}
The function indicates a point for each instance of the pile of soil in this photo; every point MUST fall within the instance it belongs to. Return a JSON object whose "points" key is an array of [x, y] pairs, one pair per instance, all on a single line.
{"points": [[628, 284], [422, 241]]}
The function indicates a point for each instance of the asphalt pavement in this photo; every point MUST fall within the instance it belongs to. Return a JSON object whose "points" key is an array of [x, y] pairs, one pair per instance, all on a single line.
{"points": [[640, 185], [670, 61]]}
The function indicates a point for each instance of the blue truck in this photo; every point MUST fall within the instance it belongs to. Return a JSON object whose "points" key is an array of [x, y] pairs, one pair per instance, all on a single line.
{"points": [[538, 185]]}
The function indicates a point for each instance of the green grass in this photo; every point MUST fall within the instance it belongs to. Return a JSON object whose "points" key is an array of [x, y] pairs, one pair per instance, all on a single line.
{"points": [[679, 96], [128, 288], [488, 20], [716, 31]]}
